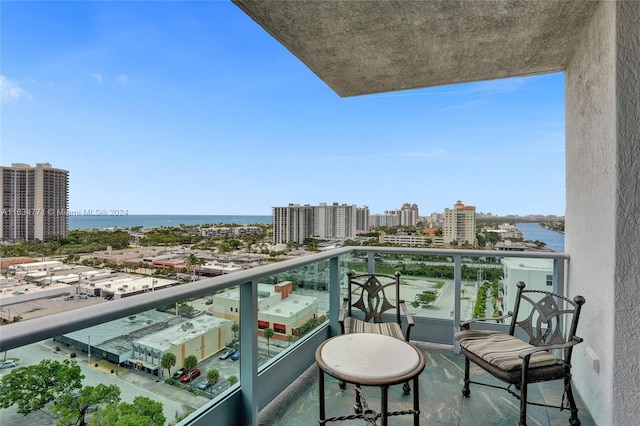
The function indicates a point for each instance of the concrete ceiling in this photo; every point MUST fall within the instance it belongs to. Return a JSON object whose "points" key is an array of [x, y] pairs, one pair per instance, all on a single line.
{"points": [[361, 47]]}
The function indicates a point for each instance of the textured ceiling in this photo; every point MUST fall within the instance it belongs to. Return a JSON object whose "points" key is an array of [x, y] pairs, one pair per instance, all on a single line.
{"points": [[360, 47]]}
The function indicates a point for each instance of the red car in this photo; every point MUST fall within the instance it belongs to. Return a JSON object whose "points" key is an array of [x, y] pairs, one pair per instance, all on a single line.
{"points": [[190, 375]]}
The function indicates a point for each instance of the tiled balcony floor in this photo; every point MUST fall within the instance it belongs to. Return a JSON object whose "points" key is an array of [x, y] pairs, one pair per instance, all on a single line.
{"points": [[441, 400]]}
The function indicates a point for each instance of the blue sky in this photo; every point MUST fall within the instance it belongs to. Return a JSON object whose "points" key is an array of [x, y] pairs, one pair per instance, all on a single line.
{"points": [[192, 108]]}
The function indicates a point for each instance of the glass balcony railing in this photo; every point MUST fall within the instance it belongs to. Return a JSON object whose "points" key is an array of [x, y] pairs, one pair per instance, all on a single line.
{"points": [[252, 333]]}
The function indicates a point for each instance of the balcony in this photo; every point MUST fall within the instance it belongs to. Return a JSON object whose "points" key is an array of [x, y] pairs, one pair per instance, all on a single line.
{"points": [[277, 377]]}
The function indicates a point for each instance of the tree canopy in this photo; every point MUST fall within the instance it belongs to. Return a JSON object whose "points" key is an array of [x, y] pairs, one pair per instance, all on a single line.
{"points": [[190, 362], [72, 409], [142, 412], [33, 386]]}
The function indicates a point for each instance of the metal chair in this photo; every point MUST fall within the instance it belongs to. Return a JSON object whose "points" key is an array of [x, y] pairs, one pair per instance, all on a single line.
{"points": [[550, 324], [366, 302]]}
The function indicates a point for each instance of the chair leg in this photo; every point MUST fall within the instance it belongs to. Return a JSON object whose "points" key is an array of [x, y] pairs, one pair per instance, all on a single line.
{"points": [[523, 403], [574, 421], [465, 388]]}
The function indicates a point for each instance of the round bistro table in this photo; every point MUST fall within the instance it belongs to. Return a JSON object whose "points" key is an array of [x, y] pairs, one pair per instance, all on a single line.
{"points": [[368, 359]]}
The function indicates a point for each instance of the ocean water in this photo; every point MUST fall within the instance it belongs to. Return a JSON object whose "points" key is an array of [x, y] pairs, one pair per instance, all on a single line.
{"points": [[105, 221], [534, 231]]}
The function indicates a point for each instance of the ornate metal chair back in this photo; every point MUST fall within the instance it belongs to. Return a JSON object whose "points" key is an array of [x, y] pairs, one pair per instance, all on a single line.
{"points": [[546, 317], [369, 293]]}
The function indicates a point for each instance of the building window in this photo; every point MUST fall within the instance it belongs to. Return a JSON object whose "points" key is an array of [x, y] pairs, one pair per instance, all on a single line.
{"points": [[230, 309], [263, 324], [549, 279], [280, 328]]}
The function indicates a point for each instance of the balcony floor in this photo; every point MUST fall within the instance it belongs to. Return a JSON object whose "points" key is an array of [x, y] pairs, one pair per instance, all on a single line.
{"points": [[441, 400]]}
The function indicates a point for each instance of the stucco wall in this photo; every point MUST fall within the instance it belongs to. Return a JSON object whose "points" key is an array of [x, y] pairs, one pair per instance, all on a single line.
{"points": [[602, 235], [626, 373]]}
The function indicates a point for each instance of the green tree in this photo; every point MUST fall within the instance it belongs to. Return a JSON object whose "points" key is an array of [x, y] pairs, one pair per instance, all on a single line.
{"points": [[190, 362], [142, 412], [232, 380], [268, 334], [289, 338], [235, 327], [72, 409], [168, 361], [190, 263], [213, 376], [32, 387], [224, 247]]}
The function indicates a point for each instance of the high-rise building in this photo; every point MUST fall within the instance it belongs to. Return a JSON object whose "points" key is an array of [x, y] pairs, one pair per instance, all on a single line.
{"points": [[460, 225], [409, 214], [34, 202], [296, 223]]}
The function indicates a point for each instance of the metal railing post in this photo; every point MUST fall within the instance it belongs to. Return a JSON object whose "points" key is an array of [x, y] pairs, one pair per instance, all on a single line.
{"points": [[249, 351], [334, 295], [457, 288]]}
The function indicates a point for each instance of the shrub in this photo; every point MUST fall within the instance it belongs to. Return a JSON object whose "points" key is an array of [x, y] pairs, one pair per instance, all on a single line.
{"points": [[72, 355]]}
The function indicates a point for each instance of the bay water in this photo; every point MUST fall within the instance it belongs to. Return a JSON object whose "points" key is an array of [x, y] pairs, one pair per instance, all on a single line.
{"points": [[533, 231], [159, 220]]}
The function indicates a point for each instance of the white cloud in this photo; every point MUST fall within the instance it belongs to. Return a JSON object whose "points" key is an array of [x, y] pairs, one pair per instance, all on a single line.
{"points": [[11, 91], [99, 78], [123, 80]]}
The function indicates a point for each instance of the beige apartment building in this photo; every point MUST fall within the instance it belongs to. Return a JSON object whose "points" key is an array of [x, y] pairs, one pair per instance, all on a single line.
{"points": [[460, 225], [34, 201]]}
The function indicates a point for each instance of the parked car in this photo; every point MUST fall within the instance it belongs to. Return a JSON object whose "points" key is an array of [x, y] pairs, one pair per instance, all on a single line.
{"points": [[235, 356], [209, 302], [9, 364], [226, 353], [204, 385], [179, 374], [190, 375]]}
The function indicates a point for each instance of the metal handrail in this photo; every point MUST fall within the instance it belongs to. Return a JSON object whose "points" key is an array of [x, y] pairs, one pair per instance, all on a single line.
{"points": [[246, 397]]}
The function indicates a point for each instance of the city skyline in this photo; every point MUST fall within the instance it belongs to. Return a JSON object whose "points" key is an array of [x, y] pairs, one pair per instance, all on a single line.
{"points": [[192, 108]]}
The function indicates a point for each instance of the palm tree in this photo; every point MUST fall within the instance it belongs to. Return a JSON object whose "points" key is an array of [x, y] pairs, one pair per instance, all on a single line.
{"points": [[235, 327], [268, 334], [168, 360], [213, 376], [190, 362], [232, 380], [191, 263]]}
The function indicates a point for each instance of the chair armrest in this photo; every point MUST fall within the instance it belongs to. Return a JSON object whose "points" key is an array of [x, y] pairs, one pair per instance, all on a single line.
{"points": [[409, 318], [406, 312], [343, 309], [527, 354], [464, 325]]}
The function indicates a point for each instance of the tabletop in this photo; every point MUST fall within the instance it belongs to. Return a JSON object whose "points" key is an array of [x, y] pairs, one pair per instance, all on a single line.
{"points": [[368, 358]]}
